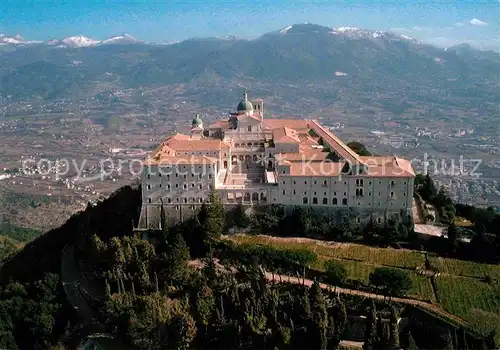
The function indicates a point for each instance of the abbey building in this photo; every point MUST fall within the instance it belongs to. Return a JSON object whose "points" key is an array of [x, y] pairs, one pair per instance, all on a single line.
{"points": [[252, 160]]}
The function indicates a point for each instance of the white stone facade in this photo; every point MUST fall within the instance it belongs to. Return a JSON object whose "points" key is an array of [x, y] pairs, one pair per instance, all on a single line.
{"points": [[251, 160]]}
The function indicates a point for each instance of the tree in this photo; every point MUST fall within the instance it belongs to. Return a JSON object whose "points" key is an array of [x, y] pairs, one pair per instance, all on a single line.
{"points": [[452, 237], [411, 343], [335, 272], [175, 265], [371, 329], [319, 317], [359, 148], [391, 281], [211, 218], [394, 331]]}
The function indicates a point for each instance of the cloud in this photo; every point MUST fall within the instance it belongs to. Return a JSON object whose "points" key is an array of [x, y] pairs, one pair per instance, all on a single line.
{"points": [[477, 22]]}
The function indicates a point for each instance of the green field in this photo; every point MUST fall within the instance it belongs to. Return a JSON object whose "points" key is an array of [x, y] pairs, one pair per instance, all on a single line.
{"points": [[460, 286], [465, 268], [475, 301], [358, 260]]}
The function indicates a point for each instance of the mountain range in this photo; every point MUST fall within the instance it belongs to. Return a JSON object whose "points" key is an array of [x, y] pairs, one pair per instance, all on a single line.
{"points": [[362, 64]]}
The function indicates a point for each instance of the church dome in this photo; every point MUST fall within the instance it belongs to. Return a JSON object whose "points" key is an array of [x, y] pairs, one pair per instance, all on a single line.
{"points": [[245, 105], [197, 121]]}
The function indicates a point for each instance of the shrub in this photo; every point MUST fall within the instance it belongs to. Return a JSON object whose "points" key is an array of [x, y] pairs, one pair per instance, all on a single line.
{"points": [[391, 281], [335, 271]]}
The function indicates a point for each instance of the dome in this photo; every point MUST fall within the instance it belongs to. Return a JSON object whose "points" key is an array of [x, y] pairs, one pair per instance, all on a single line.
{"points": [[197, 121], [245, 105]]}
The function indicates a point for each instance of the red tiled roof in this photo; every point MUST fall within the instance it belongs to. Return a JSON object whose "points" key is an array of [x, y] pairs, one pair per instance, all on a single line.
{"points": [[285, 135], [180, 160]]}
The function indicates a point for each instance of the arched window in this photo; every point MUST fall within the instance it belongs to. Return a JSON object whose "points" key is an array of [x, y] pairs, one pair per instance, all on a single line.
{"points": [[325, 201], [344, 201], [304, 200], [315, 200], [334, 201]]}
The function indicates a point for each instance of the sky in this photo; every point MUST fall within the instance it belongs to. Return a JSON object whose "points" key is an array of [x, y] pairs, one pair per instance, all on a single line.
{"points": [[443, 23]]}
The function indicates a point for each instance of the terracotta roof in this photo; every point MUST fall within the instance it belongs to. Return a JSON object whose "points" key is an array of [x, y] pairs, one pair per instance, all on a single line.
{"points": [[335, 143], [325, 168], [309, 155], [220, 124], [388, 166], [180, 160], [300, 125], [285, 135]]}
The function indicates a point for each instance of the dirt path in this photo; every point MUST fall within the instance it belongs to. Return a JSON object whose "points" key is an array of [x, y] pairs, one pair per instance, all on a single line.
{"points": [[278, 278], [430, 307]]}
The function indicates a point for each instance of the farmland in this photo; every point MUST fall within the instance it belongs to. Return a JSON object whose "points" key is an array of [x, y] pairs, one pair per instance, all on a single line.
{"points": [[358, 260], [465, 268], [461, 286], [475, 301]]}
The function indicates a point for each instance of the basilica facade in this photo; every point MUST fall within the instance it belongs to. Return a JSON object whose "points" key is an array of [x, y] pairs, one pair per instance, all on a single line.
{"points": [[255, 161]]}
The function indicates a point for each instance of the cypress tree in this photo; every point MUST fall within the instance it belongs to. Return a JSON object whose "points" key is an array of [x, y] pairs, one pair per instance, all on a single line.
{"points": [[371, 328], [411, 343], [394, 331], [463, 337]]}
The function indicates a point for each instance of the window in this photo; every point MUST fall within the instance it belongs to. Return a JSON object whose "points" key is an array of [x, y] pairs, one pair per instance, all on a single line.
{"points": [[304, 200], [404, 194], [283, 182], [185, 176], [168, 177], [149, 176], [315, 193], [334, 201], [159, 174], [325, 201], [325, 182], [315, 182], [359, 182], [359, 192], [209, 176], [284, 172], [201, 200], [169, 200], [392, 195], [293, 191], [185, 200], [160, 185], [284, 192], [344, 201], [345, 193], [200, 186], [358, 219], [168, 187], [149, 186], [149, 200], [393, 183], [315, 200], [305, 182], [192, 185], [249, 129], [177, 208], [185, 186], [379, 220], [294, 182]]}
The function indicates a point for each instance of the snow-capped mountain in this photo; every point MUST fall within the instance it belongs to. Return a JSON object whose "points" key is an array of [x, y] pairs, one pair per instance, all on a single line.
{"points": [[15, 40], [349, 32], [71, 42], [76, 41]]}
